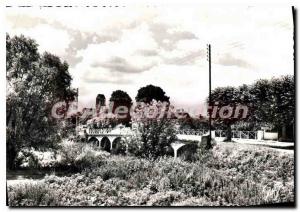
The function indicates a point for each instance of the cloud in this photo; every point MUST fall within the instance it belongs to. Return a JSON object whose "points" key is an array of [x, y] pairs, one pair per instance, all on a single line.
{"points": [[187, 59], [118, 64], [102, 75], [237, 45], [134, 52], [167, 36], [81, 40], [49, 39], [229, 60], [127, 48], [186, 52], [147, 53], [24, 21], [109, 81]]}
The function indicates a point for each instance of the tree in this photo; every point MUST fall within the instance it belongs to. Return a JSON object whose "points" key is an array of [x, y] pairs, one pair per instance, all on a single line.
{"points": [[283, 106], [100, 101], [261, 93], [225, 97], [274, 102], [270, 102], [120, 96], [34, 84], [121, 99], [154, 132], [149, 93]]}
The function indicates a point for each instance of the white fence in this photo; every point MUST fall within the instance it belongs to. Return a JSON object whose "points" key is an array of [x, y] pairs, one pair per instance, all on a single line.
{"points": [[237, 134]]}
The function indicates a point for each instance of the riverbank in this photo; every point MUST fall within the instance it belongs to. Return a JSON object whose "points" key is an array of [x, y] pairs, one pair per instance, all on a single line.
{"points": [[229, 174]]}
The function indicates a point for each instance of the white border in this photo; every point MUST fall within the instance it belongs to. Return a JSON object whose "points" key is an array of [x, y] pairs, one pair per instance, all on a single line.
{"points": [[113, 3]]}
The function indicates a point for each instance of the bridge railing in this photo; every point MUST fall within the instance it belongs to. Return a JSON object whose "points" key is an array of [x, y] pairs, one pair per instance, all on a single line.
{"points": [[93, 131], [237, 134], [191, 132]]}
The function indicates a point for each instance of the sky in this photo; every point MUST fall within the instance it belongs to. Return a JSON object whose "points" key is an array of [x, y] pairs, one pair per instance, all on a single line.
{"points": [[127, 48]]}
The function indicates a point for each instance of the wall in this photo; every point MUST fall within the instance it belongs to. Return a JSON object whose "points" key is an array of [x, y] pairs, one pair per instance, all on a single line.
{"points": [[270, 136]]}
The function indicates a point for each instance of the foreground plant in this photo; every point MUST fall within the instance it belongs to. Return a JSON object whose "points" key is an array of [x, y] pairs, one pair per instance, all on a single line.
{"points": [[227, 175]]}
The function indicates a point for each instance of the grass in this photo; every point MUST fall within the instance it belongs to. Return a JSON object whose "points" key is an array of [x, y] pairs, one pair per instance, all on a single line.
{"points": [[229, 174]]}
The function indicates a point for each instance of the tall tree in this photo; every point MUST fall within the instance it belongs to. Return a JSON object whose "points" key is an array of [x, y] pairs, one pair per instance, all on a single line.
{"points": [[225, 97], [274, 102], [261, 98], [100, 100], [150, 92], [283, 107], [120, 96], [269, 102], [34, 84], [121, 99]]}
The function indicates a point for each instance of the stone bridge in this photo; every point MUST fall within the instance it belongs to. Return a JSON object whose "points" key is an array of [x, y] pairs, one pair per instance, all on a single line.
{"points": [[104, 138], [108, 139]]}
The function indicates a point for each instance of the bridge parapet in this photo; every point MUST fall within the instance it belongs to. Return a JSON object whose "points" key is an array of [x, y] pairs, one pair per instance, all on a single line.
{"points": [[192, 132], [102, 131]]}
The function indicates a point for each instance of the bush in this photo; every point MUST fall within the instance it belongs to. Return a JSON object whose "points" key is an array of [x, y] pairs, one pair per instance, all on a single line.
{"points": [[89, 158], [79, 156], [152, 138], [31, 194], [34, 159], [69, 151], [165, 198], [153, 132]]}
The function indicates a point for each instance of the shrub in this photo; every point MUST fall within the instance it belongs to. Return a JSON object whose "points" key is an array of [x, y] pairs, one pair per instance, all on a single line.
{"points": [[152, 138], [89, 158], [69, 151], [30, 194], [165, 198], [34, 159], [153, 132], [79, 156]]}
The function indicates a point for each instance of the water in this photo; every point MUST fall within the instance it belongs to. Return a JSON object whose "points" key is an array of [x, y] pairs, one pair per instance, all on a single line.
{"points": [[33, 174]]}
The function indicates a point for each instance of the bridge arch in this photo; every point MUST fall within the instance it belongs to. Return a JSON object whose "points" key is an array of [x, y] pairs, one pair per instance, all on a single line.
{"points": [[176, 146], [105, 144], [118, 145], [94, 141], [188, 152]]}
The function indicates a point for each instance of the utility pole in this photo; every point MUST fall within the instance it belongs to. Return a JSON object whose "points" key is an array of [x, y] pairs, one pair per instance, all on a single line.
{"points": [[76, 118], [209, 80]]}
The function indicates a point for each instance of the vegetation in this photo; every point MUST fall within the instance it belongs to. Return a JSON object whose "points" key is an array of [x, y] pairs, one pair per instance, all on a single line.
{"points": [[120, 96], [150, 92], [227, 175], [153, 132], [34, 84], [266, 100], [272, 97], [121, 100], [100, 101], [68, 156]]}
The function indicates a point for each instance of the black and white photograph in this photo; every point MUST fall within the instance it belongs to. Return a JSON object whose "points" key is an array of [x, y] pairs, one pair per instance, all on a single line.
{"points": [[150, 106]]}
